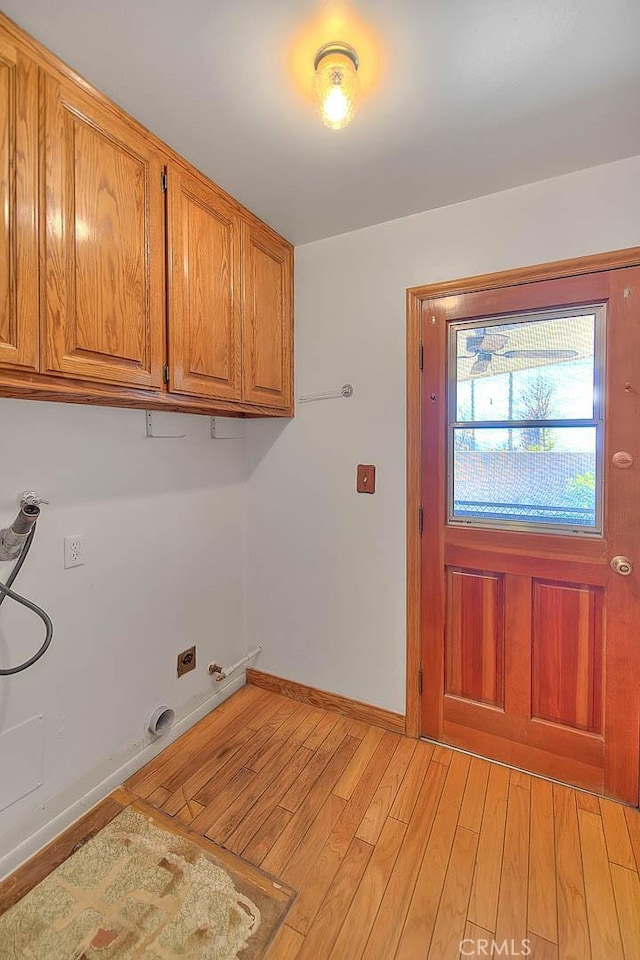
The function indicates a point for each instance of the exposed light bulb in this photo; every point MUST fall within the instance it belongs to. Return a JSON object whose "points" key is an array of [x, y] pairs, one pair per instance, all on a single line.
{"points": [[336, 84]]}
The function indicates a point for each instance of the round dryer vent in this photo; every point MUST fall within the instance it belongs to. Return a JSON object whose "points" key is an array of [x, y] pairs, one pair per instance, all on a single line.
{"points": [[160, 720]]}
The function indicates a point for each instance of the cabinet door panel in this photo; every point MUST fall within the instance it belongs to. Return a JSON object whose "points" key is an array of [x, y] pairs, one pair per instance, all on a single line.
{"points": [[267, 331], [18, 209], [104, 246], [204, 290]]}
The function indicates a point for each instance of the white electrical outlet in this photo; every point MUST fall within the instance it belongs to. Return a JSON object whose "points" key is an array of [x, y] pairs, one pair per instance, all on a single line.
{"points": [[74, 551]]}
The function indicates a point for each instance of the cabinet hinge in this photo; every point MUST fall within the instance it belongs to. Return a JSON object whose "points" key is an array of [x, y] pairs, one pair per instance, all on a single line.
{"points": [[420, 520], [420, 681], [164, 181], [165, 373], [421, 356]]}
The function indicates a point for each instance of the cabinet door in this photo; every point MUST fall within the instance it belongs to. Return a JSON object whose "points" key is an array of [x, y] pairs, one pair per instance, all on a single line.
{"points": [[204, 290], [267, 318], [104, 243], [18, 208]]}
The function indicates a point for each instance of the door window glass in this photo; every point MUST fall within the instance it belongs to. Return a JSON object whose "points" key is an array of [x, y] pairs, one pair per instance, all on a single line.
{"points": [[525, 421]]}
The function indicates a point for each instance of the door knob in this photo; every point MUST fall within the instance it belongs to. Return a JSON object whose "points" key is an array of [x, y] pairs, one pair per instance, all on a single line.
{"points": [[622, 565]]}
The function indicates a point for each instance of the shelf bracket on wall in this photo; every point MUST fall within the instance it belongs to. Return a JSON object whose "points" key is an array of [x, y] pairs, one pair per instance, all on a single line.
{"points": [[160, 436], [345, 391]]}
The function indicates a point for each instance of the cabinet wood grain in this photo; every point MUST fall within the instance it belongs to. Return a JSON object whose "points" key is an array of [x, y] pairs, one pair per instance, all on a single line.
{"points": [[204, 289], [103, 315], [18, 208], [267, 318], [127, 278]]}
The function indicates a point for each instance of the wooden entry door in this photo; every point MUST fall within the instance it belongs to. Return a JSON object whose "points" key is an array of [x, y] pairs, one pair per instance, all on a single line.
{"points": [[530, 456]]}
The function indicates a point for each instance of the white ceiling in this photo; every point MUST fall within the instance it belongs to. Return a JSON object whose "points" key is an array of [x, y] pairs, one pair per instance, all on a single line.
{"points": [[471, 97]]}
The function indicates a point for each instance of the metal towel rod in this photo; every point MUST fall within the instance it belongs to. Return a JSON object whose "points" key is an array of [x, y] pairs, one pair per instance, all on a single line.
{"points": [[346, 390]]}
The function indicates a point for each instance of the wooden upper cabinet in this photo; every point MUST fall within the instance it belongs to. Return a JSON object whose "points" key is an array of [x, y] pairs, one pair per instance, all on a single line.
{"points": [[204, 289], [18, 208], [267, 330], [103, 316]]}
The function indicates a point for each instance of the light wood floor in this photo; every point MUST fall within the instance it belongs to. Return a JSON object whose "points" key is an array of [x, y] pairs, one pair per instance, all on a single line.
{"points": [[399, 850]]}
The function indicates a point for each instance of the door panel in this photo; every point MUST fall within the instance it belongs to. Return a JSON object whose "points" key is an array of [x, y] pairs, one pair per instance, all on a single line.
{"points": [[204, 295], [517, 585], [567, 666], [18, 208], [474, 636], [104, 246], [267, 318]]}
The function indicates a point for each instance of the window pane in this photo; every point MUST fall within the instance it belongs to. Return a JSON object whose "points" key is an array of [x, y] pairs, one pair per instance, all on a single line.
{"points": [[526, 370], [533, 474]]}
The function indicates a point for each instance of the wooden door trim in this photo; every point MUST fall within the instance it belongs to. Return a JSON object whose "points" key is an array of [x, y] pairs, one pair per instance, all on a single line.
{"points": [[415, 298]]}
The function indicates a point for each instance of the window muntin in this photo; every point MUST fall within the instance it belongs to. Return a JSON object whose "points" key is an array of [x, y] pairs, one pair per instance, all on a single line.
{"points": [[526, 421]]}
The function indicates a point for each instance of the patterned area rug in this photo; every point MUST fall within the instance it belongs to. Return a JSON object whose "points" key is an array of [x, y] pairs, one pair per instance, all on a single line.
{"points": [[136, 891]]}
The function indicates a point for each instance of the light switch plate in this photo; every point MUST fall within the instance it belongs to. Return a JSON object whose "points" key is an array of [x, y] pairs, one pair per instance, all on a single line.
{"points": [[366, 478]]}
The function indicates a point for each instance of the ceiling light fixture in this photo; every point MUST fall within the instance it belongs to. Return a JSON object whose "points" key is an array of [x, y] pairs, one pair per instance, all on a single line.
{"points": [[336, 83]]}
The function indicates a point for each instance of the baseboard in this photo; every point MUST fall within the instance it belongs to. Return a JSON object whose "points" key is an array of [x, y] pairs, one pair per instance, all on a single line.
{"points": [[63, 811], [354, 709]]}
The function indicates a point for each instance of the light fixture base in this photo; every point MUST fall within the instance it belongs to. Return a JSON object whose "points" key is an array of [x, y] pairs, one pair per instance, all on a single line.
{"points": [[336, 46]]}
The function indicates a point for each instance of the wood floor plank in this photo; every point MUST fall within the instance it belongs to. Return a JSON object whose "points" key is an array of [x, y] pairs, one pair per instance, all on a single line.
{"points": [[543, 910], [632, 817], [521, 779], [159, 796], [308, 776], [353, 936], [323, 727], [452, 912], [285, 945], [295, 729], [626, 889], [573, 929], [223, 769], [616, 834], [335, 903], [511, 923], [265, 837], [420, 919], [283, 848], [587, 801], [220, 753], [540, 949], [349, 779], [398, 849], [483, 902], [254, 718], [229, 789], [412, 783], [268, 801], [442, 754], [476, 942], [250, 754], [604, 929], [231, 816], [474, 794], [309, 848], [326, 866], [359, 729], [191, 744], [390, 918], [374, 819], [189, 812]]}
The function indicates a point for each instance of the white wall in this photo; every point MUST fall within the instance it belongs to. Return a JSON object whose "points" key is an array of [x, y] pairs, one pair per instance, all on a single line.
{"points": [[164, 522], [326, 575]]}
